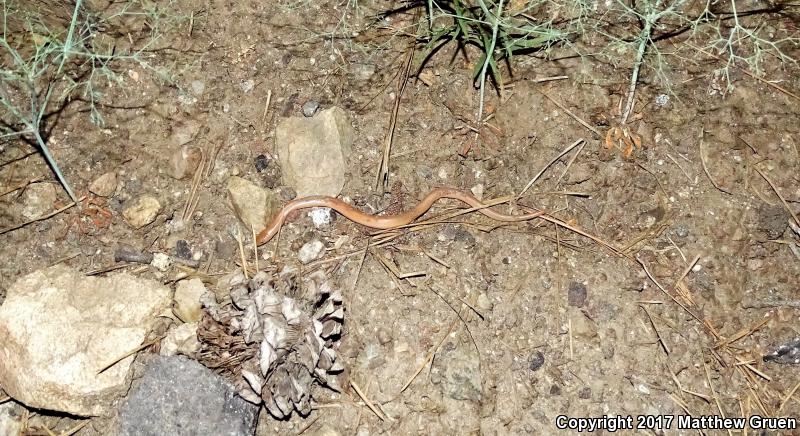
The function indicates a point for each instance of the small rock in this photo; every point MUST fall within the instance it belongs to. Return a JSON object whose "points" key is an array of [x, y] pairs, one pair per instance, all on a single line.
{"points": [[261, 162], [384, 335], [477, 191], [141, 211], [181, 340], [105, 185], [536, 361], [161, 261], [58, 328], [313, 152], [311, 251], [364, 71], [576, 294], [178, 396], [253, 205], [38, 200], [310, 108], [484, 303], [183, 250], [247, 85], [585, 393], [184, 162], [555, 390], [187, 300], [322, 217]]}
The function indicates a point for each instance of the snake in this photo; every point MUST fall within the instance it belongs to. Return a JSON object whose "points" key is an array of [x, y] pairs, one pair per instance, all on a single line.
{"points": [[384, 222]]}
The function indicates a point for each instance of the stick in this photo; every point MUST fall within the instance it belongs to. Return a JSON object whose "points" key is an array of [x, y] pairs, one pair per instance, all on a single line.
{"points": [[42, 218]]}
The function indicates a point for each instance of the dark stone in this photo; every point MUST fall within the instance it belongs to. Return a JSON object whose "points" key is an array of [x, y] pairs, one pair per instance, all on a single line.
{"points": [[772, 221], [178, 396], [585, 393], [183, 250], [555, 390], [537, 360], [576, 294], [261, 162]]}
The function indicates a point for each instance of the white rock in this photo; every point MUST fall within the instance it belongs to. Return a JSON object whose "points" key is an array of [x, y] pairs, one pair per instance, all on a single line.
{"points": [[187, 300], [181, 340], [59, 328], [321, 217], [252, 204], [313, 152], [105, 185], [141, 211], [311, 251], [161, 261], [38, 200]]}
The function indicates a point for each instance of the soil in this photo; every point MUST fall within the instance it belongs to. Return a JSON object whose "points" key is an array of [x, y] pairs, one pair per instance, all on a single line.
{"points": [[511, 325]]}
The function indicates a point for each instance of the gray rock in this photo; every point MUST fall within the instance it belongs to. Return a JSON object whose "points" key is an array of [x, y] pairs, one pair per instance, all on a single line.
{"points": [[772, 221], [313, 152], [141, 211], [310, 108], [177, 396], [253, 205], [59, 328], [184, 162], [311, 251]]}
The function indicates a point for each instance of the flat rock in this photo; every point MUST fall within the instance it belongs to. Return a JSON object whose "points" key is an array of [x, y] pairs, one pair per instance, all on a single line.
{"points": [[177, 396], [105, 185], [313, 151], [252, 204], [141, 211], [58, 328], [457, 371], [311, 251], [184, 162], [187, 300], [38, 200]]}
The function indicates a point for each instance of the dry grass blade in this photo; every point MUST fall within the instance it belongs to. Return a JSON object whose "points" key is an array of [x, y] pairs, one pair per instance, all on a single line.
{"points": [[655, 329], [552, 161], [788, 397], [432, 353], [575, 117], [713, 391], [778, 193], [128, 354], [367, 401], [382, 178], [76, 428]]}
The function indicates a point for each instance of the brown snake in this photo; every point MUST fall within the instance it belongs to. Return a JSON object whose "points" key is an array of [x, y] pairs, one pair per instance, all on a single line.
{"points": [[384, 221]]}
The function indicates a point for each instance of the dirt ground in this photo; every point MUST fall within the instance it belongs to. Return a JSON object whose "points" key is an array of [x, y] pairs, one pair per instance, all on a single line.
{"points": [[524, 322]]}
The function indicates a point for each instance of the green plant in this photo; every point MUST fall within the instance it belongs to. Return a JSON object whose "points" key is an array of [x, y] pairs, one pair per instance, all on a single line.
{"points": [[45, 68], [499, 32]]}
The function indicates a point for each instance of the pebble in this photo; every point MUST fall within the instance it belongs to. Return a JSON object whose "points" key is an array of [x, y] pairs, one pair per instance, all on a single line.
{"points": [[754, 264], [311, 251], [252, 204], [161, 261], [536, 361], [187, 300], [322, 217], [247, 85], [261, 162], [576, 294], [141, 211], [183, 250], [198, 87], [184, 162], [310, 108], [484, 303], [105, 185]]}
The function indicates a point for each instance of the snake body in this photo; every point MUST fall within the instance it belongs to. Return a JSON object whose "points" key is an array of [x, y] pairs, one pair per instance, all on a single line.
{"points": [[384, 221]]}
